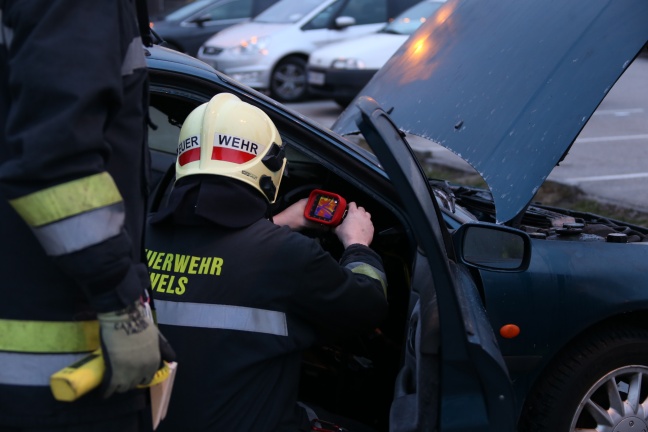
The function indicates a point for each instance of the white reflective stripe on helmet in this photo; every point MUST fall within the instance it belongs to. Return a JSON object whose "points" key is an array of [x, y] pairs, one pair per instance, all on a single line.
{"points": [[33, 369], [218, 316]]}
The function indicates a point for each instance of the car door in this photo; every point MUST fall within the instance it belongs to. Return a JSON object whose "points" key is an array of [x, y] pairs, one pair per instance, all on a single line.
{"points": [[213, 19], [453, 377]]}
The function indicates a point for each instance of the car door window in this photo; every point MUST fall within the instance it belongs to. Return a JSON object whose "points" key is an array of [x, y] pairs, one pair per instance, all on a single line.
{"points": [[366, 11], [231, 10], [287, 11], [322, 19], [164, 137]]}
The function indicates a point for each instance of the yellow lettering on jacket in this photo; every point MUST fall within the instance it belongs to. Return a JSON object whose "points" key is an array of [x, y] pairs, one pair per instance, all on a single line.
{"points": [[204, 266], [155, 277], [181, 262], [217, 263], [158, 260], [176, 263], [167, 270], [182, 285], [194, 264], [167, 262], [149, 255], [167, 283]]}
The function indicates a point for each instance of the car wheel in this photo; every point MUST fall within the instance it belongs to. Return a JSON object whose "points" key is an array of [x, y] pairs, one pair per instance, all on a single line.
{"points": [[288, 80], [600, 384]]}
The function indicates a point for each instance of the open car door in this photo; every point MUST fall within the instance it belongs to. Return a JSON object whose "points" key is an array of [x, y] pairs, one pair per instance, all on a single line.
{"points": [[453, 376]]}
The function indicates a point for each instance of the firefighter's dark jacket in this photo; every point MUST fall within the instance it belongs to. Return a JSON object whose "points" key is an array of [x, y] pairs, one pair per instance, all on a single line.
{"points": [[73, 181], [240, 298]]}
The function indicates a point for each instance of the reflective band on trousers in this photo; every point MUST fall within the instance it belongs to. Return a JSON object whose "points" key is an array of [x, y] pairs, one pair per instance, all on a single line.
{"points": [[33, 369], [221, 317], [48, 336]]}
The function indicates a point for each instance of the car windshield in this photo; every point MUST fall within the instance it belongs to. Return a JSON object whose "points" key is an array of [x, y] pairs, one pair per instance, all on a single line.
{"points": [[188, 10], [287, 11], [410, 20]]}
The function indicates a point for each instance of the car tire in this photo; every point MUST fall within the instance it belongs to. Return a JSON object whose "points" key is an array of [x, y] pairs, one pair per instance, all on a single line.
{"points": [[288, 81], [599, 383]]}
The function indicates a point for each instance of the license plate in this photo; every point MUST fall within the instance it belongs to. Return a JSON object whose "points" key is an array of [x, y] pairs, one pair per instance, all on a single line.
{"points": [[316, 78]]}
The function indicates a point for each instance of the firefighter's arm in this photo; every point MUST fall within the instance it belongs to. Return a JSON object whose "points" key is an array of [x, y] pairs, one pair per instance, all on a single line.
{"points": [[80, 225], [344, 298], [356, 233], [293, 218]]}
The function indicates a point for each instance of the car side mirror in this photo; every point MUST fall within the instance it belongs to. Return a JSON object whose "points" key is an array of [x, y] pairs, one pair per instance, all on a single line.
{"points": [[201, 20], [492, 247], [344, 21]]}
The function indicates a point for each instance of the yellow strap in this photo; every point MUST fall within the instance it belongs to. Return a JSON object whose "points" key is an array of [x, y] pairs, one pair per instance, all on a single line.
{"points": [[67, 199], [48, 336]]}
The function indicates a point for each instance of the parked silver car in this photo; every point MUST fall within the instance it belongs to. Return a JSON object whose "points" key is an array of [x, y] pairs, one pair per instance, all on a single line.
{"points": [[270, 52], [340, 70]]}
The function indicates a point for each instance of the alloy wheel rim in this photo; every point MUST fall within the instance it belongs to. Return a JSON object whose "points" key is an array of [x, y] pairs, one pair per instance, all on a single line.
{"points": [[290, 81], [618, 402]]}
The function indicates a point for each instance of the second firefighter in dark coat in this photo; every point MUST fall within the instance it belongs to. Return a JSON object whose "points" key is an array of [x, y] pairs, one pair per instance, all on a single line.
{"points": [[238, 296]]}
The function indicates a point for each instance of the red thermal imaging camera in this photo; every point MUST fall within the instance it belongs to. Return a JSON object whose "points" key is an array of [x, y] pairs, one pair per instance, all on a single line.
{"points": [[326, 208]]}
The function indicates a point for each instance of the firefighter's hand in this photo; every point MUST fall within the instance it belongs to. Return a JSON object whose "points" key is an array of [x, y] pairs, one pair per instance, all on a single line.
{"points": [[293, 217], [131, 348], [356, 228]]}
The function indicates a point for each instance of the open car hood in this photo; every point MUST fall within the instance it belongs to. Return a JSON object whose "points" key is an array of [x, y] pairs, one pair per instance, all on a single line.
{"points": [[508, 84]]}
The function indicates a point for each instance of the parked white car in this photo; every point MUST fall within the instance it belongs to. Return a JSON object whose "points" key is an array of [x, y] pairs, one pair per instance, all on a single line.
{"points": [[340, 70], [271, 51]]}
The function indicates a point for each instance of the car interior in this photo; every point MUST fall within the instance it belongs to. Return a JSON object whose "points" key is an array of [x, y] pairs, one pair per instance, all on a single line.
{"points": [[355, 377]]}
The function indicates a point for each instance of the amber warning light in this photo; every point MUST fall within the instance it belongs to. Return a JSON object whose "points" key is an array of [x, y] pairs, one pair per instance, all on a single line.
{"points": [[509, 331]]}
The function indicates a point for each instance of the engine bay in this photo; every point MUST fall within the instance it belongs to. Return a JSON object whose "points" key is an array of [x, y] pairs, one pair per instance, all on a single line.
{"points": [[539, 221]]}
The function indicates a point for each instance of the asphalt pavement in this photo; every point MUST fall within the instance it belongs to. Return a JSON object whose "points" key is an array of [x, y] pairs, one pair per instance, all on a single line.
{"points": [[609, 159]]}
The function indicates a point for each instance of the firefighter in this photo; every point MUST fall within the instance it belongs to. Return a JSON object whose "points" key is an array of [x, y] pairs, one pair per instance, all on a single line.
{"points": [[73, 181], [238, 296]]}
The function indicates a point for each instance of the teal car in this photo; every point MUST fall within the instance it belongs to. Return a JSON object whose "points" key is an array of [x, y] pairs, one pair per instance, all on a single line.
{"points": [[505, 314]]}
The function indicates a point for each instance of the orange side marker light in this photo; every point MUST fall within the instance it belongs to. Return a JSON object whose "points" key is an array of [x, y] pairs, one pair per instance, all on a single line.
{"points": [[509, 331]]}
